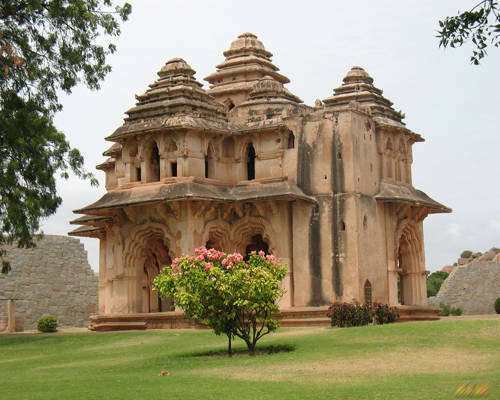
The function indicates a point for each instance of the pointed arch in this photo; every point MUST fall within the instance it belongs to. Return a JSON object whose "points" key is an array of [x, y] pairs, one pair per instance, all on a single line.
{"points": [[367, 289], [250, 161]]}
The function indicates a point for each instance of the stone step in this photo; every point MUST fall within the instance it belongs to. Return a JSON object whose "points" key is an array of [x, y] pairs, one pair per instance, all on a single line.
{"points": [[304, 322], [118, 326]]}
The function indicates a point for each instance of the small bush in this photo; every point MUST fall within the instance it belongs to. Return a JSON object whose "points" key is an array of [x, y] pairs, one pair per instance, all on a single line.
{"points": [[47, 324], [345, 315], [456, 311], [384, 314], [447, 310], [466, 254], [497, 305]]}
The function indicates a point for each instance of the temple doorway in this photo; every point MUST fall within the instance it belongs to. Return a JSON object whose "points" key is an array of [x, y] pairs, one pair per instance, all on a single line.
{"points": [[257, 243], [155, 258], [411, 277]]}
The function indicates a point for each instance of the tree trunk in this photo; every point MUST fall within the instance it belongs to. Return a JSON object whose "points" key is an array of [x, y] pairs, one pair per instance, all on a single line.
{"points": [[251, 348], [229, 349]]}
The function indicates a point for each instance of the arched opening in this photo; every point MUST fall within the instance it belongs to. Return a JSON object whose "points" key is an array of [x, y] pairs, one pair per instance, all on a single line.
{"points": [[368, 292], [291, 141], [342, 226], [410, 267], [155, 256], [210, 162], [154, 164], [250, 162], [365, 223], [257, 243]]}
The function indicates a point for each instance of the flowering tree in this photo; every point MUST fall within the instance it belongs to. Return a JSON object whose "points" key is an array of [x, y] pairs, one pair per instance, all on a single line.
{"points": [[231, 296]]}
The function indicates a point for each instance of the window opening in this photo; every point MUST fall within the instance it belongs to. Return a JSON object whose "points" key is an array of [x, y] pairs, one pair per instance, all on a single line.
{"points": [[291, 141], [250, 162], [155, 164], [368, 292], [138, 174], [342, 226], [174, 168]]}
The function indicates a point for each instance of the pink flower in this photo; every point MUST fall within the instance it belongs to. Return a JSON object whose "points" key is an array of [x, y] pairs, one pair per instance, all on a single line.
{"points": [[247, 266], [199, 258], [224, 262], [261, 253], [208, 266], [201, 250], [253, 252], [176, 261], [192, 266], [213, 279]]}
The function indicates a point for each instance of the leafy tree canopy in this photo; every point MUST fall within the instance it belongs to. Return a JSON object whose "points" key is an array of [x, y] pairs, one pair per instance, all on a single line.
{"points": [[45, 46], [434, 282], [481, 25]]}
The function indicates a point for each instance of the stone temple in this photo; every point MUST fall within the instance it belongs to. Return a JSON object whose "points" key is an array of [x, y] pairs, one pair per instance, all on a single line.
{"points": [[245, 165]]}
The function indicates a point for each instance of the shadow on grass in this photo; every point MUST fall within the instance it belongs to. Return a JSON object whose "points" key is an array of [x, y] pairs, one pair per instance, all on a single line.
{"points": [[243, 351]]}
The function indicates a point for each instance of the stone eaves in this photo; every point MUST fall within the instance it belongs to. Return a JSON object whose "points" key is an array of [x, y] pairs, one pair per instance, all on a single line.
{"points": [[157, 193], [395, 193]]}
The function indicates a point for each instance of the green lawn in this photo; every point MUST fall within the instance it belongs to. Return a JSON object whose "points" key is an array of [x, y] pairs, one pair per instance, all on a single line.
{"points": [[424, 360]]}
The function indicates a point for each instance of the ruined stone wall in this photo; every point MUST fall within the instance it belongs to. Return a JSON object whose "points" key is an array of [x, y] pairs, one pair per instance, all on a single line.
{"points": [[472, 287], [54, 278]]}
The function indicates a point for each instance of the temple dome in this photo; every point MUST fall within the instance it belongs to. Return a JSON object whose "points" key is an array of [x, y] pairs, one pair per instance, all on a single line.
{"points": [[247, 61], [358, 87], [174, 100], [358, 75]]}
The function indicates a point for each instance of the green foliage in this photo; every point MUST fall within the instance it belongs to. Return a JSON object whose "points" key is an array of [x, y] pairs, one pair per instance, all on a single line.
{"points": [[384, 314], [46, 47], [447, 310], [434, 282], [481, 24], [231, 296], [119, 365], [495, 250], [345, 315], [47, 324], [497, 305], [466, 254]]}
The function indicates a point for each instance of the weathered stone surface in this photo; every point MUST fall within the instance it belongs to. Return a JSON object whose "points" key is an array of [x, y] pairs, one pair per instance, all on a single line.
{"points": [[245, 165], [54, 278], [448, 269], [473, 287]]}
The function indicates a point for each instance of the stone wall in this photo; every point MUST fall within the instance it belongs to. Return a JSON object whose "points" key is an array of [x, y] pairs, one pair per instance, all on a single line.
{"points": [[472, 287], [54, 278]]}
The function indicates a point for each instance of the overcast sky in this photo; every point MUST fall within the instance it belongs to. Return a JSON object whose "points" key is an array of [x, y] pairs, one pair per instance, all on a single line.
{"points": [[455, 106]]}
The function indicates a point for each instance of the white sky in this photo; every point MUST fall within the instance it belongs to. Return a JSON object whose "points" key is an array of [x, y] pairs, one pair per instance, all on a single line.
{"points": [[452, 104]]}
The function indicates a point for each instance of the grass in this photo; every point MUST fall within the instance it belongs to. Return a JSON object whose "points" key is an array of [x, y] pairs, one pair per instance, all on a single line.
{"points": [[425, 360]]}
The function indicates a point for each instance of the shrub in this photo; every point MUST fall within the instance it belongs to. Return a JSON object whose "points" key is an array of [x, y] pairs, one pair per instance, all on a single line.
{"points": [[47, 324], [447, 310], [345, 315], [231, 296], [384, 314], [456, 311], [495, 250], [497, 305], [466, 254]]}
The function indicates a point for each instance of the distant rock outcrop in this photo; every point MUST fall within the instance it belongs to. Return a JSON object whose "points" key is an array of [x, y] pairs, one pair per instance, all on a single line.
{"points": [[472, 287]]}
